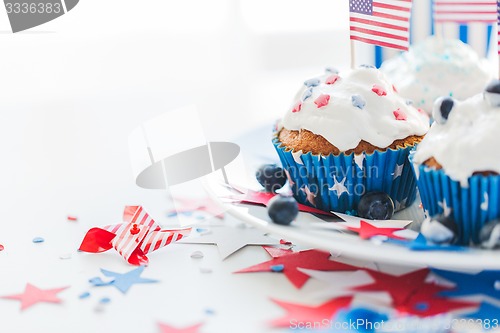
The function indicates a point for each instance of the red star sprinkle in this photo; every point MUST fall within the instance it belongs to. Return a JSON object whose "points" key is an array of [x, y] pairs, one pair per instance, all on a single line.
{"points": [[332, 79], [394, 88], [399, 115], [33, 295], [322, 100], [425, 302], [379, 90], [165, 328], [297, 107], [2, 247], [304, 314], [72, 218], [310, 259], [263, 198], [367, 230], [399, 287]]}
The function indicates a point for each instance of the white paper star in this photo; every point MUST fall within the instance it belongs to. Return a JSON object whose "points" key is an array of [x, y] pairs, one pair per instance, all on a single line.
{"points": [[311, 197], [358, 159], [398, 171], [229, 240], [446, 209], [485, 203], [339, 187]]}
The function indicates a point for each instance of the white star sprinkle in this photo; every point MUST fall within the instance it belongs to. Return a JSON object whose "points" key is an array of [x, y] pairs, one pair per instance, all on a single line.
{"points": [[444, 206], [339, 187]]}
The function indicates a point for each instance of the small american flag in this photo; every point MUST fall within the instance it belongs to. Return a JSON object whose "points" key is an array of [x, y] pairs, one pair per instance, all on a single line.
{"points": [[464, 11], [381, 22]]}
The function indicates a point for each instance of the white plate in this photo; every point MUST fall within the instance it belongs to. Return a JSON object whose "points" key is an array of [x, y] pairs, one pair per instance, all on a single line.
{"points": [[256, 150]]}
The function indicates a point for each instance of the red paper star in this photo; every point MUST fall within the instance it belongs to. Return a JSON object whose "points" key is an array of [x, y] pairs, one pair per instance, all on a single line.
{"points": [[311, 259], [202, 204], [165, 328], [332, 79], [322, 100], [401, 288], [367, 230], [425, 303], [297, 107], [379, 90], [399, 115], [33, 295], [304, 314], [263, 198]]}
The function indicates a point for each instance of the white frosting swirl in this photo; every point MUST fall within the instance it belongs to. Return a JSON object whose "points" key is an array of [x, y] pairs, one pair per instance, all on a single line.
{"points": [[343, 123], [467, 142], [438, 67]]}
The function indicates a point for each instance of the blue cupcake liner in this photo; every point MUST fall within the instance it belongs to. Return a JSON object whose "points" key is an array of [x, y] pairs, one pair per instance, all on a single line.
{"points": [[338, 183], [471, 207]]}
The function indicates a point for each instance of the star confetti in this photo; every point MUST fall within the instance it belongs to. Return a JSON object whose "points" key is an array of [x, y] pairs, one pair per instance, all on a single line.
{"points": [[425, 302], [291, 261], [165, 328], [303, 314], [482, 283], [230, 240], [399, 287], [367, 230], [33, 295], [263, 198], [122, 282]]}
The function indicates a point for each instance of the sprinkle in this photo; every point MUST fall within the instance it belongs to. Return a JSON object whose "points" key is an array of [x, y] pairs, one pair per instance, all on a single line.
{"points": [[307, 93], [421, 111], [297, 107], [358, 101], [65, 256], [105, 300], [322, 100], [84, 295], [399, 115], [205, 270], [38, 240], [210, 312], [332, 70], [394, 88], [197, 255], [285, 242], [277, 268], [409, 102], [332, 79], [72, 218], [312, 82], [366, 66], [379, 90], [2, 247]]}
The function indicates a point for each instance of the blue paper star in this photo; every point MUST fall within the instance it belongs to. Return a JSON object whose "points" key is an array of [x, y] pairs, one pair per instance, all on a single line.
{"points": [[124, 281], [487, 313], [482, 283]]}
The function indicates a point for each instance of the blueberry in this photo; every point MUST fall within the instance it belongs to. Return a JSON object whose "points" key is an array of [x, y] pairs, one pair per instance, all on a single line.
{"points": [[492, 93], [271, 176], [440, 230], [489, 235], [282, 209], [376, 206], [442, 109]]}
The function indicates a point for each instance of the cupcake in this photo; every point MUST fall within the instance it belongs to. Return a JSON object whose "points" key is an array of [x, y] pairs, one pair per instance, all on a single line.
{"points": [[438, 67], [347, 134], [457, 165]]}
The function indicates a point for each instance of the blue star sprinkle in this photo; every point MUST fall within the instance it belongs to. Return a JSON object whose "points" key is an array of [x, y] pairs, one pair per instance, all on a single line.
{"points": [[308, 93], [482, 283], [366, 66], [124, 281], [38, 240], [486, 312], [358, 101], [312, 82], [332, 70]]}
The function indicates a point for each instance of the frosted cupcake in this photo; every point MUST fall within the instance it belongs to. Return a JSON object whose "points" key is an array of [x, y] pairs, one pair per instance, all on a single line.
{"points": [[348, 134], [458, 163], [438, 67]]}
